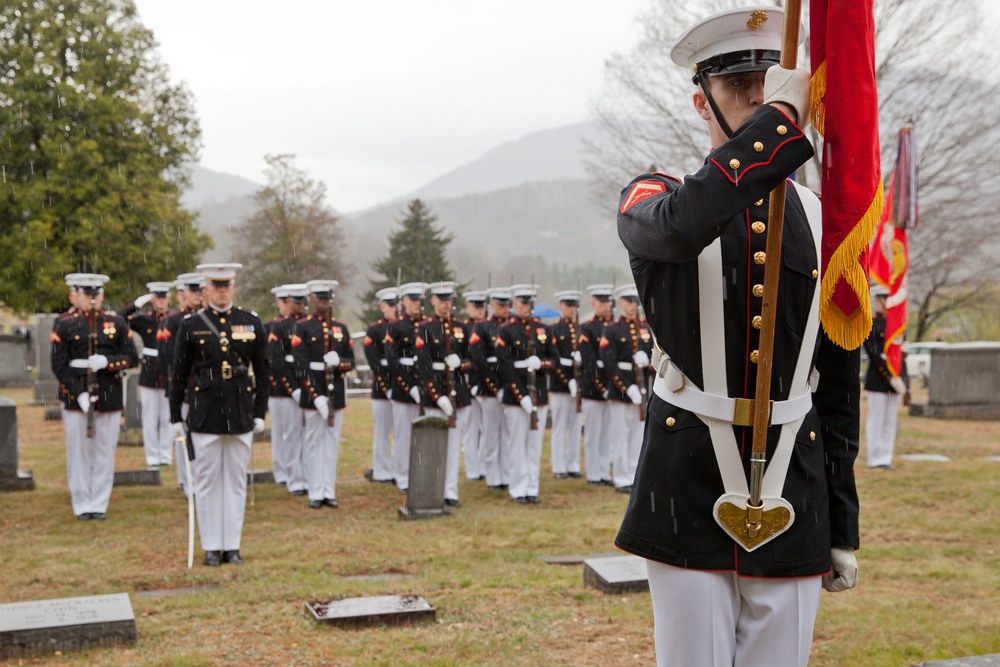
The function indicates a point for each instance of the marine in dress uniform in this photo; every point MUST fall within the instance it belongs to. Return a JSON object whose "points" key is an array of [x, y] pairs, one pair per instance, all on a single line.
{"points": [[697, 252], [475, 309], [442, 356], [594, 383], [323, 354], [157, 440], [401, 352], [883, 390], [525, 350], [493, 459], [91, 348], [626, 347], [564, 389], [286, 414], [189, 300], [215, 351], [278, 398], [388, 304]]}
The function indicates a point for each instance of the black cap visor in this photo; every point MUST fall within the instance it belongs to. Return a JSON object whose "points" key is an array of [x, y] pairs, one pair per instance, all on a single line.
{"points": [[738, 62]]}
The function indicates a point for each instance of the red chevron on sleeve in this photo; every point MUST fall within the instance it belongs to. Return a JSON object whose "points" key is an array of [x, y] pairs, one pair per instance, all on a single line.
{"points": [[605, 342], [640, 191], [368, 340], [272, 338]]}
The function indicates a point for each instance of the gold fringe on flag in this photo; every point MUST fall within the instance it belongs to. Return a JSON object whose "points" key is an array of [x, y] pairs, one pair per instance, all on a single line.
{"points": [[817, 98]]}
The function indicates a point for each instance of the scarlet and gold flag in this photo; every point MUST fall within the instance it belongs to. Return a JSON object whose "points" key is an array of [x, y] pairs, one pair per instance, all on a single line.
{"points": [[845, 111]]}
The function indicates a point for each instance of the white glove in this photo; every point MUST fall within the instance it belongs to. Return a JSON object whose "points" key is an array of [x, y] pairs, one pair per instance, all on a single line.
{"points": [[97, 362], [297, 395], [388, 394], [500, 395], [527, 405], [843, 570], [898, 385], [452, 361], [331, 358], [641, 359], [475, 390], [258, 425], [790, 86], [572, 387], [634, 394], [415, 394], [83, 400], [605, 394], [577, 357], [534, 363], [446, 407], [143, 300], [179, 430], [322, 404]]}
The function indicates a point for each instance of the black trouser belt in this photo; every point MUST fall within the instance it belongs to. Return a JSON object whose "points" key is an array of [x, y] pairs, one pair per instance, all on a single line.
{"points": [[224, 371]]}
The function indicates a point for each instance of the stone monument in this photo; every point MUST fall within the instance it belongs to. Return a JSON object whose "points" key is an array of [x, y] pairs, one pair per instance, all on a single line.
{"points": [[616, 574], [428, 457], [46, 384], [371, 611], [42, 627], [964, 382], [11, 479]]}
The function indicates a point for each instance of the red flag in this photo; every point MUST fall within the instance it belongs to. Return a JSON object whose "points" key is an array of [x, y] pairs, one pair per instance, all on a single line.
{"points": [[845, 111]]}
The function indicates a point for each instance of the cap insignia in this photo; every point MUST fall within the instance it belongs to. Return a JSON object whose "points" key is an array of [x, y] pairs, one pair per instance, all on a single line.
{"points": [[756, 20]]}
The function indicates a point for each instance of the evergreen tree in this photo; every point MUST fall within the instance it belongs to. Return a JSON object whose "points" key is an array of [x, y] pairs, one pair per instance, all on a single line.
{"points": [[291, 236], [417, 253], [95, 139]]}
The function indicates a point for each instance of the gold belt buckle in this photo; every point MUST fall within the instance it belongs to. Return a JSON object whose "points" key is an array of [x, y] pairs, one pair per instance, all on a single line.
{"points": [[227, 371], [743, 412]]}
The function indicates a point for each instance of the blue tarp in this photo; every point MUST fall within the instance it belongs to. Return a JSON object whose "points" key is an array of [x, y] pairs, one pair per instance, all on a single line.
{"points": [[543, 312]]}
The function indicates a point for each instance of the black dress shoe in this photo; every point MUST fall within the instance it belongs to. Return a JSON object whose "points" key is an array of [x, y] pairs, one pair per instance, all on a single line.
{"points": [[212, 558], [86, 516], [232, 557], [575, 475], [496, 488], [99, 516], [315, 504], [534, 500], [330, 502], [521, 500], [403, 491], [560, 475], [300, 492], [624, 489], [607, 482], [452, 502], [595, 483]]}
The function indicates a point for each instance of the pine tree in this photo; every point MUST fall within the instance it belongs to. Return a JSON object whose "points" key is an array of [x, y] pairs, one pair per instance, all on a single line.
{"points": [[417, 253], [95, 139]]}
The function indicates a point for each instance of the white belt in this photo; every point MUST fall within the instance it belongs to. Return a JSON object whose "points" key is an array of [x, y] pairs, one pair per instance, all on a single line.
{"points": [[79, 363], [563, 361], [600, 364], [317, 366], [383, 362], [407, 361], [438, 365], [624, 365], [491, 360], [289, 359], [150, 352]]}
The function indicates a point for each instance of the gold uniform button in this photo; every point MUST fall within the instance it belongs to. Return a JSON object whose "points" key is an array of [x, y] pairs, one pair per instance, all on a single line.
{"points": [[756, 321], [758, 290], [757, 146], [670, 421], [759, 257], [222, 319], [812, 435], [815, 274], [759, 202], [758, 227], [782, 129], [754, 356], [734, 164]]}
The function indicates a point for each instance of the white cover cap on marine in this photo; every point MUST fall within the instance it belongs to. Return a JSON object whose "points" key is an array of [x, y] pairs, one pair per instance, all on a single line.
{"points": [[159, 288], [388, 294], [297, 292], [87, 282], [220, 274], [322, 289], [601, 292], [444, 289], [280, 292], [413, 290], [501, 295], [192, 282], [879, 290], [744, 39], [71, 281], [477, 297], [569, 296], [628, 291], [524, 291]]}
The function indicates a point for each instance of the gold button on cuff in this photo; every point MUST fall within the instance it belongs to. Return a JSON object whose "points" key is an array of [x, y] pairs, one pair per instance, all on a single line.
{"points": [[757, 146], [222, 319], [758, 290], [759, 202], [759, 257], [670, 421], [782, 129], [754, 356], [815, 274], [758, 227], [734, 164], [812, 435], [756, 321]]}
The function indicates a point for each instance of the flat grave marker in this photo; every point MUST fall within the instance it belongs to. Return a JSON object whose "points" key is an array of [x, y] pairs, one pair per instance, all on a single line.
{"points": [[992, 660], [42, 627], [616, 574], [373, 611]]}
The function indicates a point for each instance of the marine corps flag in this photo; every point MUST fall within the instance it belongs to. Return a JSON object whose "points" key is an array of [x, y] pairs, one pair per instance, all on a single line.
{"points": [[889, 250], [845, 111]]}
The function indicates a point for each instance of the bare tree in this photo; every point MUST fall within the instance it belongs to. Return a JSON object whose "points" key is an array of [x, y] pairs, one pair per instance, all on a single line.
{"points": [[928, 74]]}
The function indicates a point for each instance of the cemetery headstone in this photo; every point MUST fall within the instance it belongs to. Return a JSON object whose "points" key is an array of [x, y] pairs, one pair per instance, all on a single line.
{"points": [[616, 574], [46, 385], [372, 611], [11, 479], [992, 660], [964, 382], [141, 477], [428, 456], [42, 627]]}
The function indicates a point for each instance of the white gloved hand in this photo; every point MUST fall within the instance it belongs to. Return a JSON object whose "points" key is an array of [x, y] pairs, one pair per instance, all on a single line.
{"points": [[415, 394], [500, 395], [143, 300], [605, 394], [83, 400], [179, 430], [388, 394], [572, 387], [641, 359], [331, 358], [527, 405], [452, 361], [297, 395], [322, 404], [898, 385], [534, 363], [475, 390], [790, 86], [577, 357], [97, 362], [843, 570], [258, 425], [446, 407], [634, 394]]}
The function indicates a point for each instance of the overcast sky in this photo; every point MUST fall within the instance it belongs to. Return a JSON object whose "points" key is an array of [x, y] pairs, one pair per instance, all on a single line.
{"points": [[377, 98]]}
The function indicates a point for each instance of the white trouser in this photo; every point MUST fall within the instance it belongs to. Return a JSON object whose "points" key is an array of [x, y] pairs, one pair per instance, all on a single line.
{"points": [[283, 409], [625, 433], [403, 415], [493, 433], [294, 446], [221, 487], [454, 449], [595, 440], [470, 423], [157, 437], [565, 437], [322, 449], [717, 619], [880, 426], [179, 453], [525, 447], [381, 433], [533, 453], [90, 462]]}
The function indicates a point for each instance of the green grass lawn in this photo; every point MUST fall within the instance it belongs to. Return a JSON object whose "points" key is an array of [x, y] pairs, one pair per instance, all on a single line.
{"points": [[929, 565]]}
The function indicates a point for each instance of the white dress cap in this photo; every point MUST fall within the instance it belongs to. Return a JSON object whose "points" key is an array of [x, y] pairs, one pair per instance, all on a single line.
{"points": [[524, 290], [499, 293], [414, 290], [626, 290], [444, 288], [190, 280], [320, 287], [387, 294], [297, 291], [223, 272], [733, 31], [602, 290], [280, 292], [476, 296], [569, 295], [159, 287], [89, 280]]}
